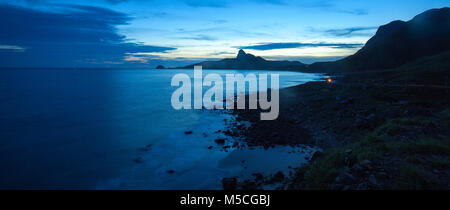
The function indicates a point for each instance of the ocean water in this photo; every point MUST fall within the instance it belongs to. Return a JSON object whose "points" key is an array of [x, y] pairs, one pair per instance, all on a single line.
{"points": [[116, 129]]}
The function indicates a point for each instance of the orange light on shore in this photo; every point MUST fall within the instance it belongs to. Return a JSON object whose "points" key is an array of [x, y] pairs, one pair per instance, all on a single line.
{"points": [[329, 80]]}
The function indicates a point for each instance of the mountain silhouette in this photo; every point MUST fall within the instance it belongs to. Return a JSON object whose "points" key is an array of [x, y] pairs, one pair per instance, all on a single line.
{"points": [[248, 62], [397, 43], [393, 45]]}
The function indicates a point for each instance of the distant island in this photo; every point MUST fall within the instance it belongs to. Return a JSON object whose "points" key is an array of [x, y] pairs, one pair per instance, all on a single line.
{"points": [[160, 67], [246, 61]]}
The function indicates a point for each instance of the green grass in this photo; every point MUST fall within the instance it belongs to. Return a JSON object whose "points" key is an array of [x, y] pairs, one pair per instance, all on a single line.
{"points": [[413, 178], [321, 174], [423, 146], [418, 154], [396, 126], [446, 115]]}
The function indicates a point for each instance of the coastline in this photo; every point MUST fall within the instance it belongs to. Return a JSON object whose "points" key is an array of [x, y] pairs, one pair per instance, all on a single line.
{"points": [[362, 126]]}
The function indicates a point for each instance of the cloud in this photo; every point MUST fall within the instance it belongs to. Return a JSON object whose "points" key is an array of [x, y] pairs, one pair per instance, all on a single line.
{"points": [[306, 59], [202, 3], [70, 35], [190, 3], [220, 53], [146, 57], [228, 3], [351, 31], [288, 45], [329, 5], [116, 1], [11, 48], [200, 38], [223, 30], [37, 2], [275, 2], [220, 21], [353, 11]]}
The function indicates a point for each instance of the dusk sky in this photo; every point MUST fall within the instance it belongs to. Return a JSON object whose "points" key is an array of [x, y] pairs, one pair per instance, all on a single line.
{"points": [[138, 33]]}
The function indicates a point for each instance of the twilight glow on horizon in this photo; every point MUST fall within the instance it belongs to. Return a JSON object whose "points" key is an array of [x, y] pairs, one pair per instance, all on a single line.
{"points": [[138, 33]]}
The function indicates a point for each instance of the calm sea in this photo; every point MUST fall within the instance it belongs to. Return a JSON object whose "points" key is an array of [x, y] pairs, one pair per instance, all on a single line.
{"points": [[85, 129]]}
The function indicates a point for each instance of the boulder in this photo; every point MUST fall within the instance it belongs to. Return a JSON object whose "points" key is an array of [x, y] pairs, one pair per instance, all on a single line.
{"points": [[278, 177], [220, 141], [229, 183], [316, 155]]}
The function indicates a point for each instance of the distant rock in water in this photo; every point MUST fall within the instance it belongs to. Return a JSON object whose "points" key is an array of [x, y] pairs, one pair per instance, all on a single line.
{"points": [[160, 67], [248, 61], [397, 43]]}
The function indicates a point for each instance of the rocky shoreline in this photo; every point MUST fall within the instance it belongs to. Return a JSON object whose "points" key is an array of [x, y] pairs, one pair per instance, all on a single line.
{"points": [[374, 136]]}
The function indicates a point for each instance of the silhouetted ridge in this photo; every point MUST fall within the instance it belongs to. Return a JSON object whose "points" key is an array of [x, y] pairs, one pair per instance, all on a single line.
{"points": [[248, 61], [397, 43], [393, 45]]}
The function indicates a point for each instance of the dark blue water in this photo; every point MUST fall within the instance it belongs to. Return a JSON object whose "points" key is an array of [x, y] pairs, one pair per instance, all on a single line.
{"points": [[83, 129]]}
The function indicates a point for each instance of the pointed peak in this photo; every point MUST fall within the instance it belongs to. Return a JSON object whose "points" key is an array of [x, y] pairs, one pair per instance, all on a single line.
{"points": [[241, 54]]}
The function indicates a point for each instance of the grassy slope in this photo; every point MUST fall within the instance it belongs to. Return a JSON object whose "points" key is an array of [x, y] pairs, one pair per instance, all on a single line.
{"points": [[398, 159], [427, 70], [399, 136], [407, 150]]}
